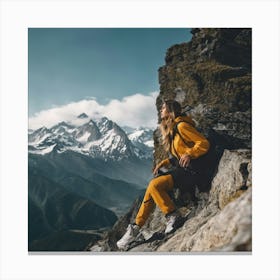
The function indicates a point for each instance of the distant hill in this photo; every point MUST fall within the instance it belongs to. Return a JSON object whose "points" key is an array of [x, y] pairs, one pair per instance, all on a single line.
{"points": [[52, 208]]}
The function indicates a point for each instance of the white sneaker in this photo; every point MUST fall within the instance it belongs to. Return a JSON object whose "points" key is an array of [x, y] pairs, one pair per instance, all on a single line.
{"points": [[171, 222], [130, 235]]}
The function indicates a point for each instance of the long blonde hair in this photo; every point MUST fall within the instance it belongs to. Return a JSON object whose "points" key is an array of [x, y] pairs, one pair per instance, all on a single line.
{"points": [[167, 124]]}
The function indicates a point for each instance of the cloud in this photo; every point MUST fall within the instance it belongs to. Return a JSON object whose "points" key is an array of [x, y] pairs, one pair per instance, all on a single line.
{"points": [[134, 111]]}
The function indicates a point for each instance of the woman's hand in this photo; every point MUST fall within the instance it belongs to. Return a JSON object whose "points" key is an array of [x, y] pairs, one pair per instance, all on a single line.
{"points": [[184, 160], [157, 167], [164, 162]]}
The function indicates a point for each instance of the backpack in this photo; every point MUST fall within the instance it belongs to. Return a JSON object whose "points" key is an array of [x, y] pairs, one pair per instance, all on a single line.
{"points": [[205, 165]]}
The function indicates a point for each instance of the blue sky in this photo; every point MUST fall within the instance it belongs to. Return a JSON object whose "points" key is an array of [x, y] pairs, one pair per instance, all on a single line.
{"points": [[67, 65]]}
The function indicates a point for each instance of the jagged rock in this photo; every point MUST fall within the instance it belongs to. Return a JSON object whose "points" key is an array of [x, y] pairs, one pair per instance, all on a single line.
{"points": [[227, 230], [211, 77], [230, 46], [231, 179]]}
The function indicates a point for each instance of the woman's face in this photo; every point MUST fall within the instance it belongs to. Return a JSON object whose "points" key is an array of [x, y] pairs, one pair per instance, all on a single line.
{"points": [[163, 112]]}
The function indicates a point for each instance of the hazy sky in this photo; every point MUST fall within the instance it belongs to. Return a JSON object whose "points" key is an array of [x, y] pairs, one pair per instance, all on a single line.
{"points": [[67, 65]]}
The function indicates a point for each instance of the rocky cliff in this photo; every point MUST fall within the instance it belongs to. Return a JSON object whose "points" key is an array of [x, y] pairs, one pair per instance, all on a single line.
{"points": [[211, 77]]}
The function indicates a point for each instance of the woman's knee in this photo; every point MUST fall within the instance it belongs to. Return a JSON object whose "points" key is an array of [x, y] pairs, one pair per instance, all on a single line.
{"points": [[152, 186], [159, 184]]}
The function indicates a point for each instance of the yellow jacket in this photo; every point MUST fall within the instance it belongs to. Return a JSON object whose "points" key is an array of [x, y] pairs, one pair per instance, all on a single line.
{"points": [[194, 143]]}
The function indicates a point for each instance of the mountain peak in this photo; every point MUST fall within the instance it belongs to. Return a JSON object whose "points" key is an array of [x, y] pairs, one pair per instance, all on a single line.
{"points": [[63, 123], [104, 119], [91, 122], [82, 116]]}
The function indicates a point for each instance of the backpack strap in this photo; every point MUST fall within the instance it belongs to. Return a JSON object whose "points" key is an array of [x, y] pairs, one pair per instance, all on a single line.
{"points": [[176, 130]]}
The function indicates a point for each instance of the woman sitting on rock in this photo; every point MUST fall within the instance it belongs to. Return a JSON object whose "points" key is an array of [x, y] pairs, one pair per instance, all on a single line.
{"points": [[184, 143]]}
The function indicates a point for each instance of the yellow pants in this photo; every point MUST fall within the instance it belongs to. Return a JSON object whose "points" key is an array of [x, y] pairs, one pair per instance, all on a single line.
{"points": [[156, 193]]}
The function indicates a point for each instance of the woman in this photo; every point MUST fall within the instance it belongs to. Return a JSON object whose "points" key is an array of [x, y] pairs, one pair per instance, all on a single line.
{"points": [[184, 143]]}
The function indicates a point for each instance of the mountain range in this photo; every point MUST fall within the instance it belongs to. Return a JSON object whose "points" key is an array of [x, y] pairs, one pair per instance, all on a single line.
{"points": [[98, 139], [82, 177]]}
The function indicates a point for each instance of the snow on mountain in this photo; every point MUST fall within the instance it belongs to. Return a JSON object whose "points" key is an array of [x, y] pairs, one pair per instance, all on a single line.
{"points": [[102, 139], [87, 132], [142, 135], [142, 139]]}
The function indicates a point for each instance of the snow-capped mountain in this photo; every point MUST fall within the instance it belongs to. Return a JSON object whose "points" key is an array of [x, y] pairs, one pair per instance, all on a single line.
{"points": [[99, 139], [142, 136]]}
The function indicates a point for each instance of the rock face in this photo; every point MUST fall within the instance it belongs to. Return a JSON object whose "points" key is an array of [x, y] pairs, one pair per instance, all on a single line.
{"points": [[224, 223], [211, 78]]}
